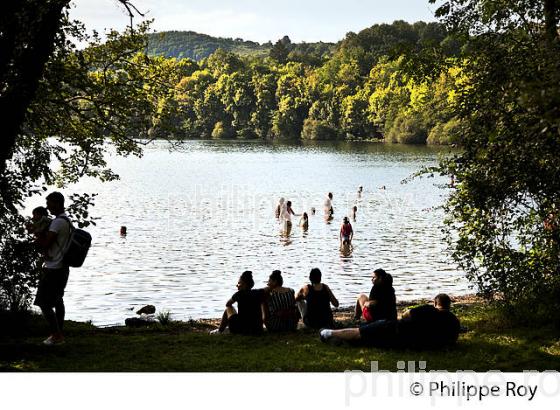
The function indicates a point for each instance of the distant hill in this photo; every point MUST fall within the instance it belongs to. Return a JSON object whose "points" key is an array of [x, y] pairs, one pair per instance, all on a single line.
{"points": [[188, 44], [196, 46]]}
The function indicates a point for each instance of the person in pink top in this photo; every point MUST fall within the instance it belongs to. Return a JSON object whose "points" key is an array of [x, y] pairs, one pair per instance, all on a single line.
{"points": [[346, 232]]}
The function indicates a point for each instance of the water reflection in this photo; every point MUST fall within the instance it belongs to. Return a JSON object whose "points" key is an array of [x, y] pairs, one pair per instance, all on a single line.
{"points": [[346, 252]]}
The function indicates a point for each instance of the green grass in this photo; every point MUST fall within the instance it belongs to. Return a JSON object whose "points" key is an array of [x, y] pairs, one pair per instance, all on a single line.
{"points": [[490, 344]]}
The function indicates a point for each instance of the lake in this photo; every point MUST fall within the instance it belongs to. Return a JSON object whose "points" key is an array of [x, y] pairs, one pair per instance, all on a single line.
{"points": [[200, 215]]}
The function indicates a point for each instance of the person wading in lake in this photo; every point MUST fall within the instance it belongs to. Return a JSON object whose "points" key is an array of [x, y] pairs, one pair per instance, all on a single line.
{"points": [[304, 222], [280, 208], [346, 232], [55, 273], [287, 218], [353, 213], [328, 207]]}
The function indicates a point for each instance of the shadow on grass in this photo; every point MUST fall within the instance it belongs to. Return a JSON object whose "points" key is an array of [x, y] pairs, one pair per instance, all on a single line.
{"points": [[184, 347]]}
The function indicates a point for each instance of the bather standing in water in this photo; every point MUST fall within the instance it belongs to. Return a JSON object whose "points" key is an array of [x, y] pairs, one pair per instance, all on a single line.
{"points": [[328, 208], [304, 222], [346, 232], [286, 218], [280, 208], [353, 213]]}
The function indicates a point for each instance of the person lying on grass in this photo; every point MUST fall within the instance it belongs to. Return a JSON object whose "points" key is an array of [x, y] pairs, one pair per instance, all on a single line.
{"points": [[423, 327]]}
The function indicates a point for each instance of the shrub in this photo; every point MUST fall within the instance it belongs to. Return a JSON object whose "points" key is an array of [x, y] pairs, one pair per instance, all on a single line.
{"points": [[446, 133], [222, 130], [19, 273], [407, 129], [164, 318], [318, 130]]}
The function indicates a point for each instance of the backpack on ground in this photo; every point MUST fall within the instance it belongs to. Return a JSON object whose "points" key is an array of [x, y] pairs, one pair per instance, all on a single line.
{"points": [[79, 242]]}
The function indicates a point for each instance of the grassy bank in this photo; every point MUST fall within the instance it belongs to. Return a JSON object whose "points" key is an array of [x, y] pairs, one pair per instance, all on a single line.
{"points": [[489, 344]]}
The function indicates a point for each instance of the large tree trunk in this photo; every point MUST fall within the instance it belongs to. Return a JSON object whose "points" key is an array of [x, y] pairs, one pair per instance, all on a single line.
{"points": [[27, 41], [551, 19]]}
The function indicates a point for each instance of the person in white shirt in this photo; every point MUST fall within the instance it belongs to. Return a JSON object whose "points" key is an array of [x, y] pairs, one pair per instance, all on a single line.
{"points": [[55, 273], [287, 217], [280, 208], [329, 210]]}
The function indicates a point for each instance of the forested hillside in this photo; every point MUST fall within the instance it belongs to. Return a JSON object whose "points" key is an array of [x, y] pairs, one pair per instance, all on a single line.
{"points": [[188, 44], [363, 89], [196, 46]]}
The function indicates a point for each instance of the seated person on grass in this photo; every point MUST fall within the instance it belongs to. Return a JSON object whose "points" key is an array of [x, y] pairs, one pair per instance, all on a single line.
{"points": [[314, 302], [381, 302], [279, 307], [423, 327], [248, 321]]}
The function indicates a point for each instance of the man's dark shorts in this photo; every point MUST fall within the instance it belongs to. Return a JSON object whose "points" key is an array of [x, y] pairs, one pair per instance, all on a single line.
{"points": [[381, 333], [51, 287]]}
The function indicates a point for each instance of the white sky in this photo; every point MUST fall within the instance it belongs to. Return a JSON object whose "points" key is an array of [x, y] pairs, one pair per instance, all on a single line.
{"points": [[302, 20]]}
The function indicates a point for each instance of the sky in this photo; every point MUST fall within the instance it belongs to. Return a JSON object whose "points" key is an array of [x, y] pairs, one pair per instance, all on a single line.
{"points": [[264, 20]]}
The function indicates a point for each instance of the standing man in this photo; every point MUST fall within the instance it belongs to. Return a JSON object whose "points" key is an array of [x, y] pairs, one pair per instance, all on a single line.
{"points": [[329, 210], [50, 291]]}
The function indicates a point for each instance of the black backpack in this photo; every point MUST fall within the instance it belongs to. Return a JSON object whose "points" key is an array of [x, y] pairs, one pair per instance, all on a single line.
{"points": [[77, 247]]}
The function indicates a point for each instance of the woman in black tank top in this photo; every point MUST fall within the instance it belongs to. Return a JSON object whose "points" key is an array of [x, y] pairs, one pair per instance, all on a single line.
{"points": [[315, 300]]}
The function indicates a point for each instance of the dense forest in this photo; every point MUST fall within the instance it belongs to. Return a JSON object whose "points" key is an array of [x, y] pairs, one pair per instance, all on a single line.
{"points": [[364, 87]]}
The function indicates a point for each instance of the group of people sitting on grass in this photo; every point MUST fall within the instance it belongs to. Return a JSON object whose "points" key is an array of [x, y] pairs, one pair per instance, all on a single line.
{"points": [[279, 308]]}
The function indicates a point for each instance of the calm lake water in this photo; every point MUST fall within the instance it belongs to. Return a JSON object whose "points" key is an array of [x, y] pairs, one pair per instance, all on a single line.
{"points": [[199, 216]]}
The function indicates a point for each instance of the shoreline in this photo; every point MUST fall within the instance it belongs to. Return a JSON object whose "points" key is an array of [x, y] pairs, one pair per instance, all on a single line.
{"points": [[346, 313]]}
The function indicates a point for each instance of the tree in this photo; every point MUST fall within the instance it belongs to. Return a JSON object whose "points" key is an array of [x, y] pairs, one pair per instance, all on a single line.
{"points": [[293, 103], [264, 86], [503, 215], [109, 92], [279, 52], [30, 31]]}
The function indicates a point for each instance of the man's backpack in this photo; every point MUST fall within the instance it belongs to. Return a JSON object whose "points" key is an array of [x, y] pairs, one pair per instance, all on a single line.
{"points": [[77, 247]]}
